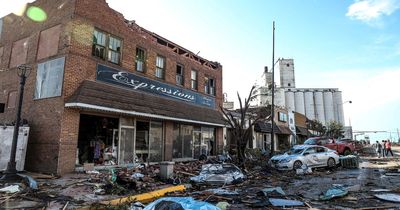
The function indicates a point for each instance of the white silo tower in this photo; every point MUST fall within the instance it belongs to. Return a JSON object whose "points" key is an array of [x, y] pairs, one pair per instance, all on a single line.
{"points": [[289, 99], [319, 106], [286, 71], [338, 107], [328, 106], [309, 104], [299, 102]]}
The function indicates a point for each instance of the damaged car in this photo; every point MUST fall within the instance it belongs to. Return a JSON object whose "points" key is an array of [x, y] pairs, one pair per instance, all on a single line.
{"points": [[312, 156]]}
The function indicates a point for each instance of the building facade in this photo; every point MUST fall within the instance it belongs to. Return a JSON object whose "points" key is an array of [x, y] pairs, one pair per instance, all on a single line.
{"points": [[104, 90]]}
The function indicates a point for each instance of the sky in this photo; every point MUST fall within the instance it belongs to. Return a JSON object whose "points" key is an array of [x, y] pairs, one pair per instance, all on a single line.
{"points": [[353, 45]]}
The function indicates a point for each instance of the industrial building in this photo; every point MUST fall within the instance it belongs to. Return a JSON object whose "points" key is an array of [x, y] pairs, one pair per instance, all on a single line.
{"points": [[106, 91], [322, 104]]}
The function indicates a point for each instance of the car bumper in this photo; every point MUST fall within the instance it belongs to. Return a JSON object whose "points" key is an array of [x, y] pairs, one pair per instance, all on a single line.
{"points": [[282, 166]]}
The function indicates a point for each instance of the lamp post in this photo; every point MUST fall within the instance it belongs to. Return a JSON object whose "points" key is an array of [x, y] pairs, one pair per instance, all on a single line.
{"points": [[338, 112], [10, 174]]}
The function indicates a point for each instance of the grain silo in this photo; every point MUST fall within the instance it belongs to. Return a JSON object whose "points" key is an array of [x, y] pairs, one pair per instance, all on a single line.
{"points": [[309, 104], [338, 107], [299, 102], [319, 106], [328, 106], [289, 99]]}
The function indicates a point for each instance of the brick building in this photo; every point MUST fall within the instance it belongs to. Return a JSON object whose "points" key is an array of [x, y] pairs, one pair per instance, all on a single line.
{"points": [[104, 90]]}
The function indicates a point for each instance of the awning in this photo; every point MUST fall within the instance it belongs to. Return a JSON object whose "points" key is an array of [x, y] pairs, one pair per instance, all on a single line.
{"points": [[101, 97], [302, 131], [263, 127]]}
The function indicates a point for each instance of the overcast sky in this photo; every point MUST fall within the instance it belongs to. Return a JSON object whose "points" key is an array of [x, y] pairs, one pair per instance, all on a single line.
{"points": [[350, 45]]}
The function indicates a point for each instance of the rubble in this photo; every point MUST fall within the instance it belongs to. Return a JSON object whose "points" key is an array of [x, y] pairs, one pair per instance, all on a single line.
{"points": [[389, 197], [180, 203], [219, 174]]}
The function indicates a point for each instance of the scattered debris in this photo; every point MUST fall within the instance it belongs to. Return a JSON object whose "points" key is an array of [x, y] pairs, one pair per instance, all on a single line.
{"points": [[10, 189], [223, 205], [31, 182], [389, 197], [334, 192], [381, 190], [145, 197], [179, 203], [220, 191], [354, 188], [304, 170], [277, 202], [219, 174], [271, 190], [349, 161]]}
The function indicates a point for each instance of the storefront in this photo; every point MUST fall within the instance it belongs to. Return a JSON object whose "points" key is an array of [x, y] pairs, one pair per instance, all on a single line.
{"points": [[128, 119]]}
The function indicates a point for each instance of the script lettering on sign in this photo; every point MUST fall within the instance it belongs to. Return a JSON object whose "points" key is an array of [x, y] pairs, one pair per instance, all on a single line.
{"points": [[135, 82]]}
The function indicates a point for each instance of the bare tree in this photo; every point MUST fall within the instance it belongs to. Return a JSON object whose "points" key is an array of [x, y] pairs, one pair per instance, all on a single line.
{"points": [[241, 122]]}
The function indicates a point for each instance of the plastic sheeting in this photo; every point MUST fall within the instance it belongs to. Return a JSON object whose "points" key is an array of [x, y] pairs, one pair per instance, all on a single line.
{"points": [[179, 203], [333, 192], [389, 197], [285, 202], [219, 174]]}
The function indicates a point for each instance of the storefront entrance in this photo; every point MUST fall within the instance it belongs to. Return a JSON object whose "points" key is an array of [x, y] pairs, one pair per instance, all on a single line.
{"points": [[98, 140]]}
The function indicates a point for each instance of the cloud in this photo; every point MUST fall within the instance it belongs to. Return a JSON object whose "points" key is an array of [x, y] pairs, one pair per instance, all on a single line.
{"points": [[371, 11]]}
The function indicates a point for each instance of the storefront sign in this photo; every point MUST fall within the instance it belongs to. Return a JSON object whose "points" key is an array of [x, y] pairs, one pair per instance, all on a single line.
{"points": [[135, 82]]}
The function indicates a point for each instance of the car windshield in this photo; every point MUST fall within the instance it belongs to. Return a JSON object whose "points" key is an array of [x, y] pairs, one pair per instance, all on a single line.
{"points": [[311, 141], [295, 151]]}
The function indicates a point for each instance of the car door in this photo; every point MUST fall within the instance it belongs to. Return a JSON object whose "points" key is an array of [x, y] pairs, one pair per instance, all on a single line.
{"points": [[322, 155], [311, 158]]}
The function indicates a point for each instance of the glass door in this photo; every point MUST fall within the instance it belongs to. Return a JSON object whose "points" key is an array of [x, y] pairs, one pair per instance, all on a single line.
{"points": [[126, 148]]}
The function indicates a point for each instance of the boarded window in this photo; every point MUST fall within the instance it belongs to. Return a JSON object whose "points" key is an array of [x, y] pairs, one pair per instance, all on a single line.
{"points": [[19, 52], [48, 42], [12, 99], [49, 78], [2, 105], [1, 55]]}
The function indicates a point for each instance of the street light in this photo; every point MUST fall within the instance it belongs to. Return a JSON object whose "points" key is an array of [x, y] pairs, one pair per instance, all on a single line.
{"points": [[339, 113], [10, 174]]}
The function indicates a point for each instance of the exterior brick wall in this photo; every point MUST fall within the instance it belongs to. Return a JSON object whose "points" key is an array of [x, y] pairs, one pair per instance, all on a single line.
{"points": [[54, 129]]}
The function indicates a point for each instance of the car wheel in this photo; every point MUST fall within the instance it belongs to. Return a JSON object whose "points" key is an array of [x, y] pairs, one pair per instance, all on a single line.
{"points": [[331, 163], [347, 152], [297, 164]]}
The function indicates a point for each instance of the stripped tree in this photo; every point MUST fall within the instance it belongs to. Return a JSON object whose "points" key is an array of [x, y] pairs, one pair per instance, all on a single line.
{"points": [[241, 122]]}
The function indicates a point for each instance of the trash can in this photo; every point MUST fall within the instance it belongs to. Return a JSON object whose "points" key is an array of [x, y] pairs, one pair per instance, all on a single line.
{"points": [[166, 169]]}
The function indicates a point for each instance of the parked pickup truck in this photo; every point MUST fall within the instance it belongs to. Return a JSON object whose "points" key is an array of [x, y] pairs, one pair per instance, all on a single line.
{"points": [[343, 148]]}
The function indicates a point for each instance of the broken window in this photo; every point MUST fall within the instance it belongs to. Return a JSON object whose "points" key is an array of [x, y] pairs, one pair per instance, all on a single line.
{"points": [[183, 141], [140, 60], [193, 80], [179, 75], [114, 50], [49, 78], [209, 86], [160, 67], [105, 44], [12, 99], [156, 142]]}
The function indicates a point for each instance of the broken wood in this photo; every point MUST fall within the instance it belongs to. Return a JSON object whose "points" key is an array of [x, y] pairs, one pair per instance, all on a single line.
{"points": [[186, 173]]}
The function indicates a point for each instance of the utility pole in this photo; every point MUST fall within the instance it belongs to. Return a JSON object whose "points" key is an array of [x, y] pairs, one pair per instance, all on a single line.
{"points": [[273, 91], [398, 136]]}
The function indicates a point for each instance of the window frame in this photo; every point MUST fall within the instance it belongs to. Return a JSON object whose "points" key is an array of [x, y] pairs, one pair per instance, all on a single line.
{"points": [[108, 50], [194, 82], [283, 117], [143, 61], [158, 68], [181, 75]]}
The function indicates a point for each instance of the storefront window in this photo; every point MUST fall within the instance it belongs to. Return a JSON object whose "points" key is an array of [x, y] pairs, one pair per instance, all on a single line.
{"points": [[183, 141], [208, 141]]}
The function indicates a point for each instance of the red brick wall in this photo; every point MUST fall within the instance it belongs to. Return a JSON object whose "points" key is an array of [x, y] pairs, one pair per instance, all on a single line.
{"points": [[54, 129]]}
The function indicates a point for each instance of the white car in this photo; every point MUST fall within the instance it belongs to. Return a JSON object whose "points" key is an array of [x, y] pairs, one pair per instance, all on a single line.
{"points": [[311, 155]]}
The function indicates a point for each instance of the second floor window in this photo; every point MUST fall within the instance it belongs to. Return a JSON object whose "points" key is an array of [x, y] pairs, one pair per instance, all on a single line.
{"points": [[160, 67], [179, 75], [140, 60], [106, 47], [209, 86], [193, 80]]}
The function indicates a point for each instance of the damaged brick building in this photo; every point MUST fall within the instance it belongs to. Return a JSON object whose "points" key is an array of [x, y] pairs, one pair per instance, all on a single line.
{"points": [[104, 90]]}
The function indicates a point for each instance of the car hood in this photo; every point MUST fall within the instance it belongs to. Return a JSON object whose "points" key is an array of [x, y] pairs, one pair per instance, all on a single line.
{"points": [[282, 157]]}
